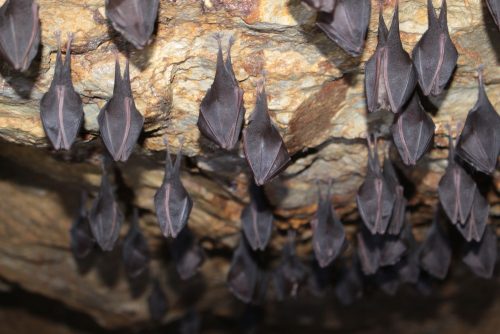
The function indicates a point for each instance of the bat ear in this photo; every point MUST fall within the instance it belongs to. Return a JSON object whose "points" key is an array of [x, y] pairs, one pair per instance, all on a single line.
{"points": [[431, 14], [382, 27], [178, 157], [443, 20], [482, 92], [67, 60], [168, 160]]}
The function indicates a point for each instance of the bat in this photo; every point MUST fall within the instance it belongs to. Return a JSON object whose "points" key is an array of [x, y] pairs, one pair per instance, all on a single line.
{"points": [[375, 199], [347, 24], [319, 279], [387, 280], [349, 287], [391, 248], [134, 19], [157, 302], [120, 124], [257, 219], [409, 266], [435, 56], [291, 269], [261, 286], [494, 7], [19, 33], [172, 202], [480, 256], [242, 275], [61, 109], [412, 132], [82, 241], [135, 249], [456, 189], [105, 216], [473, 229], [399, 210], [435, 252], [264, 148], [187, 254], [221, 110], [390, 77], [479, 142], [328, 232], [321, 5]]}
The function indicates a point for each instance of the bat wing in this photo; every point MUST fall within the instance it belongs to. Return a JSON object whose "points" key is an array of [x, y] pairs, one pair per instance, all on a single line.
{"points": [[456, 193], [409, 266], [157, 302], [257, 219], [187, 254], [321, 5], [242, 275], [368, 252], [392, 249], [398, 211], [135, 251], [435, 254], [481, 256], [412, 132], [473, 229], [19, 33], [494, 7], [134, 19], [82, 241]]}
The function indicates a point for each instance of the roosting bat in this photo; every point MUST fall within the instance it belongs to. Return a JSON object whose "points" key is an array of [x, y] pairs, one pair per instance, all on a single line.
{"points": [[347, 24], [409, 266], [319, 278], [412, 132], [291, 272], [82, 241], [261, 287], [120, 123], [350, 285], [105, 215], [479, 142], [374, 199], [257, 219], [172, 202], [135, 249], [264, 148], [473, 228], [399, 210], [134, 19], [494, 7], [157, 302], [456, 189], [389, 74], [435, 56], [61, 109], [328, 231], [481, 256], [221, 111], [187, 254], [19, 33], [321, 5], [242, 275], [435, 252]]}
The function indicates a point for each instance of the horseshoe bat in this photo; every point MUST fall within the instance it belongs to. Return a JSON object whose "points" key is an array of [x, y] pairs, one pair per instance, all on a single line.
{"points": [[435, 252], [82, 241], [242, 275], [135, 249], [257, 219], [187, 254], [157, 302], [480, 256], [409, 266], [399, 210], [473, 229], [291, 271], [321, 5]]}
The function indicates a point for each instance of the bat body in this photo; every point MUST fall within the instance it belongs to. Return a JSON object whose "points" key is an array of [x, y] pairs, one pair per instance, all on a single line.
{"points": [[328, 232], [187, 254], [409, 266], [120, 124], [82, 241], [257, 219], [157, 302], [375, 199], [435, 252], [135, 250], [321, 5], [390, 77], [473, 229], [172, 202], [243, 272], [347, 24], [399, 210], [134, 19], [19, 33], [291, 272], [105, 216], [480, 256], [479, 142], [61, 109], [435, 56], [264, 148], [221, 111], [494, 7], [412, 132]]}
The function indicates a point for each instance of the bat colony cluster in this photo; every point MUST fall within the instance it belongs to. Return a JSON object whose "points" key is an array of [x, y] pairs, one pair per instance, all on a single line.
{"points": [[386, 249]]}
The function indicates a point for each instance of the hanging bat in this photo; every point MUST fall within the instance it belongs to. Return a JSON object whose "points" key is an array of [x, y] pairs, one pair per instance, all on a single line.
{"points": [[390, 78], [391, 248], [221, 111], [292, 270], [479, 142], [456, 189], [321, 5], [105, 215], [480, 256], [82, 241], [435, 252], [120, 124], [264, 148], [409, 266], [61, 109], [172, 202], [19, 33], [261, 287], [435, 56], [187, 254], [368, 252], [257, 219], [412, 131], [328, 232], [157, 302], [319, 279], [473, 229], [494, 7], [347, 24], [374, 199], [242, 275], [349, 288], [135, 249], [399, 210], [134, 19]]}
